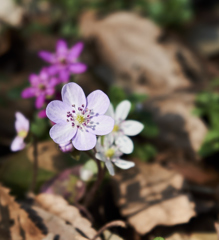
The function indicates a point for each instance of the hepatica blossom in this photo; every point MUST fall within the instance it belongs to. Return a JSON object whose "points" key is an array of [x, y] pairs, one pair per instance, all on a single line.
{"points": [[124, 128], [22, 129], [64, 61], [110, 154], [79, 119], [42, 87]]}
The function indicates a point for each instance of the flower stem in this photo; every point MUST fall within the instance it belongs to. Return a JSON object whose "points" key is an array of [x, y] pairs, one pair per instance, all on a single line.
{"points": [[35, 165], [100, 175], [116, 223]]}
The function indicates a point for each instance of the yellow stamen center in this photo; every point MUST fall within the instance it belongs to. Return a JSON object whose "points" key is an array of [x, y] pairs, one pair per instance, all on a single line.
{"points": [[110, 152], [80, 119], [22, 133], [116, 128]]}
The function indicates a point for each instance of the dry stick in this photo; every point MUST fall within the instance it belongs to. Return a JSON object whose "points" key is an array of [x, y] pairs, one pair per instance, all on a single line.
{"points": [[116, 223], [96, 185], [35, 165]]}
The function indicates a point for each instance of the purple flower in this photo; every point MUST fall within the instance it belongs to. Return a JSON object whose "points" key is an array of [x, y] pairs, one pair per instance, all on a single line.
{"points": [[42, 87], [67, 147], [22, 128], [64, 61], [79, 119]]}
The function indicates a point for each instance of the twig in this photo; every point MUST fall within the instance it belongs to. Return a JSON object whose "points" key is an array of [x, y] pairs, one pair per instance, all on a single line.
{"points": [[96, 185], [116, 223], [35, 165], [85, 211]]}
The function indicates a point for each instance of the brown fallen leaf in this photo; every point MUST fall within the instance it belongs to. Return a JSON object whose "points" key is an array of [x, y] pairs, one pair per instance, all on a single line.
{"points": [[59, 207], [20, 224], [150, 195]]}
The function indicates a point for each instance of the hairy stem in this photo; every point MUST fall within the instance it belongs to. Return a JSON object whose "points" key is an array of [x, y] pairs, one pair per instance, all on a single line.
{"points": [[100, 175], [35, 165], [116, 223]]}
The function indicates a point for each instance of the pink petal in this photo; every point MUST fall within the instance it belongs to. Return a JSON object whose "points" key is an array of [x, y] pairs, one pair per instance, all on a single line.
{"points": [[64, 76], [39, 101], [101, 125], [17, 144], [47, 56], [61, 46], [42, 114], [77, 68], [28, 92], [75, 51], [98, 102], [84, 141], [72, 93], [34, 79]]}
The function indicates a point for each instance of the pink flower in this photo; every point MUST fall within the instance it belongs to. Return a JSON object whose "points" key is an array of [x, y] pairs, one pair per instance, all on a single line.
{"points": [[42, 87], [22, 128], [64, 61]]}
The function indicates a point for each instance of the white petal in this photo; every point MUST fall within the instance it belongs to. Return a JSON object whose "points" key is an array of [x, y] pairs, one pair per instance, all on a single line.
{"points": [[131, 127], [98, 101], [122, 110], [123, 163], [62, 133], [109, 166], [56, 111], [125, 144], [100, 156], [17, 144], [101, 125], [72, 93], [21, 122], [84, 141], [108, 141], [110, 111]]}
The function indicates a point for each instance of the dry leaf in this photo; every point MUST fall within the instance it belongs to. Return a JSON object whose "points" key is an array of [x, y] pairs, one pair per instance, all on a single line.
{"points": [[149, 195], [59, 207], [49, 156], [193, 236], [20, 223]]}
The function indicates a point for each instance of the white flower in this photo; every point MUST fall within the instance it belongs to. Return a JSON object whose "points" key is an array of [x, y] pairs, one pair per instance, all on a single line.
{"points": [[123, 128], [109, 153]]}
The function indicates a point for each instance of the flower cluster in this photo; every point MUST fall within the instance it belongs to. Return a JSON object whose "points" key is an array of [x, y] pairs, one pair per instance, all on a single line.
{"points": [[63, 63], [118, 142]]}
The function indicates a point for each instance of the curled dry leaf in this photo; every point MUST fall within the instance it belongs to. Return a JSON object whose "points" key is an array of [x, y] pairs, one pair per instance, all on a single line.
{"points": [[19, 224], [59, 207], [149, 195]]}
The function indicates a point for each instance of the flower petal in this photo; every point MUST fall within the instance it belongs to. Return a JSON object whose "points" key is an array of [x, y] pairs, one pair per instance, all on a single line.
{"points": [[131, 127], [42, 114], [21, 122], [100, 156], [62, 133], [47, 56], [84, 141], [64, 75], [72, 93], [39, 101], [57, 110], [98, 101], [28, 92], [123, 163], [101, 125], [110, 111], [77, 68], [110, 168], [125, 144], [17, 144], [61, 46], [34, 79], [75, 51], [122, 110]]}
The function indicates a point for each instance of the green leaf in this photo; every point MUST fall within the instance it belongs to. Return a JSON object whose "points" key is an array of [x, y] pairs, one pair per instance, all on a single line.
{"points": [[39, 127], [91, 165], [159, 238]]}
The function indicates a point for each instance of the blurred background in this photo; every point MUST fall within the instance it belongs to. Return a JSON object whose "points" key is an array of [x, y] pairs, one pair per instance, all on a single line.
{"points": [[162, 55]]}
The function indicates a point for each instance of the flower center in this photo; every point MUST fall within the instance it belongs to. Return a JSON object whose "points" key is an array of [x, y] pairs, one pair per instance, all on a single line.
{"points": [[80, 118], [116, 128], [22, 133], [110, 152], [42, 86]]}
